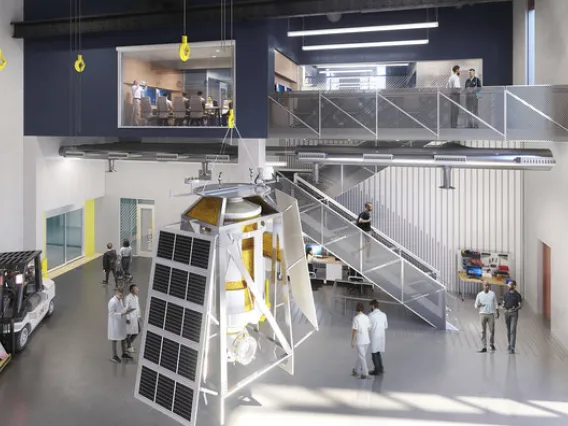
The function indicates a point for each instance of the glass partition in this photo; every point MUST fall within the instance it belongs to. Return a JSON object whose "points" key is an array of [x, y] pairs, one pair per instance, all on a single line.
{"points": [[64, 238], [157, 89]]}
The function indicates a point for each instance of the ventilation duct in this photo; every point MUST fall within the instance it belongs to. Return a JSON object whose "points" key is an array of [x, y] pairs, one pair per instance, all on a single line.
{"points": [[503, 162]]}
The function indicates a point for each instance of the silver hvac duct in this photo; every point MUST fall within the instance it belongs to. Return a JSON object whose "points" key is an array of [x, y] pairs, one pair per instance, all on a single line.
{"points": [[516, 161]]}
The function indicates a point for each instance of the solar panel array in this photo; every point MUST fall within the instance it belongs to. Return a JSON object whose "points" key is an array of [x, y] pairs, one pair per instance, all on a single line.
{"points": [[169, 370]]}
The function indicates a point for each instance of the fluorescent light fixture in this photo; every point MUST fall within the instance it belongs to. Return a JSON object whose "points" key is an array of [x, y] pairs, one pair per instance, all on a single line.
{"points": [[353, 30], [362, 65], [343, 71], [275, 164], [364, 45]]}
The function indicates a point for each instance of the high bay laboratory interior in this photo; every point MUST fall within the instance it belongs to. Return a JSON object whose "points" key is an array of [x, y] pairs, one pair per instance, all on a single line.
{"points": [[247, 212]]}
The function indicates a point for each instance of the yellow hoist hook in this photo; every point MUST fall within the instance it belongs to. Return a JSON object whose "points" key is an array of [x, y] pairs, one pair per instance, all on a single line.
{"points": [[184, 49], [3, 61], [231, 120], [80, 64]]}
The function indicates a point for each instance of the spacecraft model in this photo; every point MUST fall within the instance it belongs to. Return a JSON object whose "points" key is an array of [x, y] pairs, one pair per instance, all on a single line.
{"points": [[226, 288]]}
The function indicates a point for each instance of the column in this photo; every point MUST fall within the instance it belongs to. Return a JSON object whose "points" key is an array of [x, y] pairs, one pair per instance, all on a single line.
{"points": [[252, 155], [11, 131]]}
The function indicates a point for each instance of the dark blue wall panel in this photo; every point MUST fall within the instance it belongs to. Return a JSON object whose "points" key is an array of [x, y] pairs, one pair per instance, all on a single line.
{"points": [[482, 31], [58, 102]]}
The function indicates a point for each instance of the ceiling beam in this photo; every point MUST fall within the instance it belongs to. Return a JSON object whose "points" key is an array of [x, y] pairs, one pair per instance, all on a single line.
{"points": [[242, 10]]}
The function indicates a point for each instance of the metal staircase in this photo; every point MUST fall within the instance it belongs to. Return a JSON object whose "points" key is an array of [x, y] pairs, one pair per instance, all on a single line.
{"points": [[397, 272]]}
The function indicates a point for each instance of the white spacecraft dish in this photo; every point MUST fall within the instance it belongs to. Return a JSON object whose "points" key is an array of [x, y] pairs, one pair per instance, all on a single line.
{"points": [[224, 285]]}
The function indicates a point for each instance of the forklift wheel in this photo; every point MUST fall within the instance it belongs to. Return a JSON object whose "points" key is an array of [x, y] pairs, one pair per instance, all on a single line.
{"points": [[51, 308], [22, 338]]}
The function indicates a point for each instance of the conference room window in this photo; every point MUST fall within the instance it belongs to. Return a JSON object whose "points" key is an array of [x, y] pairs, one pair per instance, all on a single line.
{"points": [[157, 89]]}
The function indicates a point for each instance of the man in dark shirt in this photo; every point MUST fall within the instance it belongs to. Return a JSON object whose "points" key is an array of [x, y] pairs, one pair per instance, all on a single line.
{"points": [[364, 219], [512, 304], [472, 87]]}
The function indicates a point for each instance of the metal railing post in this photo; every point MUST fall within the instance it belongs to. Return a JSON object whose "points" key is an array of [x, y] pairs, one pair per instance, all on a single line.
{"points": [[376, 114], [438, 114], [505, 113], [402, 281], [319, 113]]}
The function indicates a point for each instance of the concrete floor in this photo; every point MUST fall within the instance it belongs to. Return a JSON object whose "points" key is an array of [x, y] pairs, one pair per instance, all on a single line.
{"points": [[65, 378]]}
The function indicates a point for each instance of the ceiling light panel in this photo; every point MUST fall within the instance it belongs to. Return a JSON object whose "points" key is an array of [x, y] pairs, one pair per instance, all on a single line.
{"points": [[354, 30], [365, 45]]}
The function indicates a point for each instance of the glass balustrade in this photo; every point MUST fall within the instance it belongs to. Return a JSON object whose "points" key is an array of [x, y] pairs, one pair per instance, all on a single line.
{"points": [[378, 263], [489, 113]]}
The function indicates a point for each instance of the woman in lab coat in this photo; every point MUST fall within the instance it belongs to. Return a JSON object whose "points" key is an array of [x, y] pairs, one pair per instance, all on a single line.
{"points": [[133, 318], [117, 325], [379, 324]]}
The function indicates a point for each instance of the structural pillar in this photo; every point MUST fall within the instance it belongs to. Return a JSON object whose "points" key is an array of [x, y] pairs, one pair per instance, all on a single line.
{"points": [[252, 155], [12, 130]]}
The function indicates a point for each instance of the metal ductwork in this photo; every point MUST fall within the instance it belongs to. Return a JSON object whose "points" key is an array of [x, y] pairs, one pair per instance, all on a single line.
{"points": [[458, 157]]}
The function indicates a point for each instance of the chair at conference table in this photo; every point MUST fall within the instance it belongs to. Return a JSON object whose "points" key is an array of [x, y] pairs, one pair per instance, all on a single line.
{"points": [[163, 111], [180, 111], [196, 112], [146, 112]]}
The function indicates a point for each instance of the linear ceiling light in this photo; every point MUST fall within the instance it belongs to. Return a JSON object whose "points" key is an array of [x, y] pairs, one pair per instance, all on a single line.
{"points": [[363, 65], [352, 30], [343, 71], [364, 45]]}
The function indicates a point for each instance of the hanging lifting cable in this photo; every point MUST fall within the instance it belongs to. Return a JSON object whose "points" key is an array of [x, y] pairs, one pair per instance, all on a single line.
{"points": [[184, 49]]}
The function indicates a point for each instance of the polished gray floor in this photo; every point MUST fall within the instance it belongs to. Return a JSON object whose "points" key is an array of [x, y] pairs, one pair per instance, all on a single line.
{"points": [[432, 378]]}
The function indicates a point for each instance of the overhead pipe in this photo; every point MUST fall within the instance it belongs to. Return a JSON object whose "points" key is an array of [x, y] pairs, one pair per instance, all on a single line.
{"points": [[518, 161]]}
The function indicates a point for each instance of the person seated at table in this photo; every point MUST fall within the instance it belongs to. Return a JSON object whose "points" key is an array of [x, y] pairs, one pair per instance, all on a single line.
{"points": [[169, 103], [200, 94], [185, 100]]}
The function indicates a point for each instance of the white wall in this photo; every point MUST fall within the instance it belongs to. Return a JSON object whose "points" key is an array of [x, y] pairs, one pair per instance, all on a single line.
{"points": [[149, 181], [483, 213], [436, 73], [11, 125], [58, 184], [546, 202]]}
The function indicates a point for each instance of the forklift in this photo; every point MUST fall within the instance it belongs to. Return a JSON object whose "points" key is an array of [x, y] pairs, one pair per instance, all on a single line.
{"points": [[26, 298]]}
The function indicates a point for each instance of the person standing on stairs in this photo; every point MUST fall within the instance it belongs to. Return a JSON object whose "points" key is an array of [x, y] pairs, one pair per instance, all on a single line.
{"points": [[360, 340], [486, 302], [364, 223]]}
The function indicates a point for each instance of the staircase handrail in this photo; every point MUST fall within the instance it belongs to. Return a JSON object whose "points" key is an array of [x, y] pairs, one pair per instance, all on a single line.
{"points": [[397, 246]]}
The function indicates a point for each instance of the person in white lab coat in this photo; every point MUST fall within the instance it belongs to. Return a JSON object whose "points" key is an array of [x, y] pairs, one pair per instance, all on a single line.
{"points": [[133, 318], [117, 325], [379, 324], [360, 340]]}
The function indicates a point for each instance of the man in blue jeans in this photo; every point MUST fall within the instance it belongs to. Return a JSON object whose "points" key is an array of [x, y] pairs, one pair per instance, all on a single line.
{"points": [[512, 305]]}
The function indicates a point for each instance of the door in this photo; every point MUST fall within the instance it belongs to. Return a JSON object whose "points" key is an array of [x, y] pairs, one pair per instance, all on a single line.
{"points": [[546, 281], [145, 230]]}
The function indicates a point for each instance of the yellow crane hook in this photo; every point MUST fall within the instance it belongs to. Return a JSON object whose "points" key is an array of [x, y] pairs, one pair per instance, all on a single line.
{"points": [[3, 61], [80, 64]]}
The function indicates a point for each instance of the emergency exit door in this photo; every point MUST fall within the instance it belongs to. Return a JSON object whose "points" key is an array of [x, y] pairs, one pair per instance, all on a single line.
{"points": [[145, 230]]}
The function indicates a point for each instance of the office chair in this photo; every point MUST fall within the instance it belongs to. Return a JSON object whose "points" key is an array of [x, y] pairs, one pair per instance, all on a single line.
{"points": [[180, 112], [163, 111], [146, 112], [196, 112]]}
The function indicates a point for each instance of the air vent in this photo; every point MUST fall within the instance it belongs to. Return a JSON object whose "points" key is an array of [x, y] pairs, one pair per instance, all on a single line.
{"points": [[74, 154], [118, 155], [218, 158], [161, 156], [460, 159], [536, 160], [311, 155], [383, 157]]}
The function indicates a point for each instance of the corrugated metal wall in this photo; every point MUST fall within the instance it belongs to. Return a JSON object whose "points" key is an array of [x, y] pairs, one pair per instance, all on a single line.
{"points": [[484, 213]]}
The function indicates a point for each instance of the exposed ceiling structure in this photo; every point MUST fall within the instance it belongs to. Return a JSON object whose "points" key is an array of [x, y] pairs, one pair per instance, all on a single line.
{"points": [[153, 15]]}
